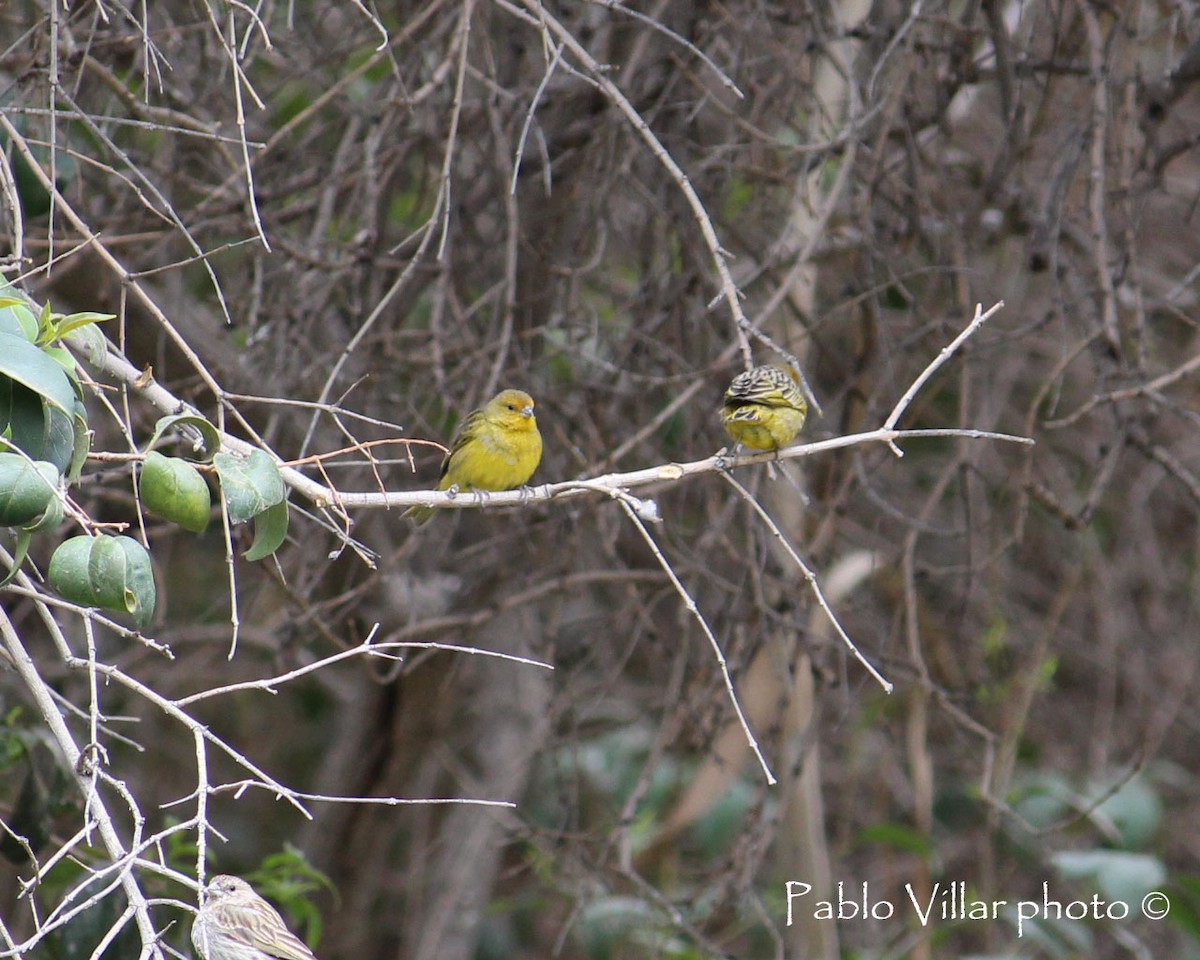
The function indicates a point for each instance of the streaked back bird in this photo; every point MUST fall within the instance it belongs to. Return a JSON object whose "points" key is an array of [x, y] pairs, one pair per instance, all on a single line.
{"points": [[235, 923], [764, 408]]}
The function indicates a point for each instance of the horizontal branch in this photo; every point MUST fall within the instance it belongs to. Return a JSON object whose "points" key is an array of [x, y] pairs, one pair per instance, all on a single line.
{"points": [[615, 485], [367, 648], [618, 485]]}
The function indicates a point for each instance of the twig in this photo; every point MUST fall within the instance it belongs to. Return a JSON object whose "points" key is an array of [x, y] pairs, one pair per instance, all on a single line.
{"points": [[538, 14], [1098, 74], [690, 604], [39, 692], [366, 648], [810, 577], [444, 199], [529, 115], [945, 354], [618, 7]]}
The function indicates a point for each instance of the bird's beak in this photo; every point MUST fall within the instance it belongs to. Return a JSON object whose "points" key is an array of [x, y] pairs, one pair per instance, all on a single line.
{"points": [[527, 412]]}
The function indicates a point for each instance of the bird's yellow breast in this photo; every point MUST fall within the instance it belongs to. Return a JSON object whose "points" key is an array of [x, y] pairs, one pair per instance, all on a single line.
{"points": [[499, 456]]}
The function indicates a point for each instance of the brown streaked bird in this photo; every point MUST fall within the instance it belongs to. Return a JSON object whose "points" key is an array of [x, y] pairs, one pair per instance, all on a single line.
{"points": [[235, 923], [764, 408]]}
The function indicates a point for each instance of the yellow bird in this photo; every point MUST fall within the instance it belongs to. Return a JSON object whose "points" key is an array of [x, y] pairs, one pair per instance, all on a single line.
{"points": [[764, 408], [497, 448]]}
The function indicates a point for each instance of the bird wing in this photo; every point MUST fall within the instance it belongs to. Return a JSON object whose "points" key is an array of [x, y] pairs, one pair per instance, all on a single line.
{"points": [[770, 386], [263, 930], [466, 431], [746, 414]]}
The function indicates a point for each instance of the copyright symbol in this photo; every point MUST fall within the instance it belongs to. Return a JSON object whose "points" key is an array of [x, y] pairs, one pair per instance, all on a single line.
{"points": [[1155, 905]]}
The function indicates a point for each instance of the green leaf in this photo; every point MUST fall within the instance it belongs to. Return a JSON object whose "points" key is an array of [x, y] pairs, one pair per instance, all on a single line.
{"points": [[24, 363], [289, 880], [43, 322], [43, 432], [1185, 903], [897, 835], [270, 530], [1118, 874], [15, 316], [20, 552], [89, 341], [113, 573], [26, 489], [49, 520], [59, 446], [249, 485], [174, 489], [62, 356], [67, 325], [70, 565], [1045, 798], [22, 416], [137, 582], [82, 443], [1135, 810], [202, 433]]}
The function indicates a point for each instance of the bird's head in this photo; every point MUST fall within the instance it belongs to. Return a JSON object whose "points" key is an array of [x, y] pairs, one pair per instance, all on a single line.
{"points": [[224, 886], [512, 409]]}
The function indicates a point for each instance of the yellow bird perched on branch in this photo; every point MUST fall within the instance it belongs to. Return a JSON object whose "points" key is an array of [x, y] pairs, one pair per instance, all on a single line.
{"points": [[497, 448], [764, 408]]}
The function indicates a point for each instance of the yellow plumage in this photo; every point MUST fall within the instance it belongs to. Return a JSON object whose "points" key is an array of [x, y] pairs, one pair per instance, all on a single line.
{"points": [[764, 408], [497, 448]]}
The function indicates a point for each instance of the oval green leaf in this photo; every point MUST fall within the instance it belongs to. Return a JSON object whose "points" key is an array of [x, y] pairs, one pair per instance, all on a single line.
{"points": [[21, 361], [22, 420], [42, 431], [26, 489], [249, 485], [113, 573], [15, 315], [173, 489]]}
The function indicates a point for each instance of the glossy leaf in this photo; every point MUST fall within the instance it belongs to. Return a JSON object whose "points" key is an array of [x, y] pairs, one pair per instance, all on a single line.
{"points": [[26, 489], [15, 315], [249, 485], [64, 326], [113, 573], [174, 489], [24, 363], [41, 431], [270, 530]]}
